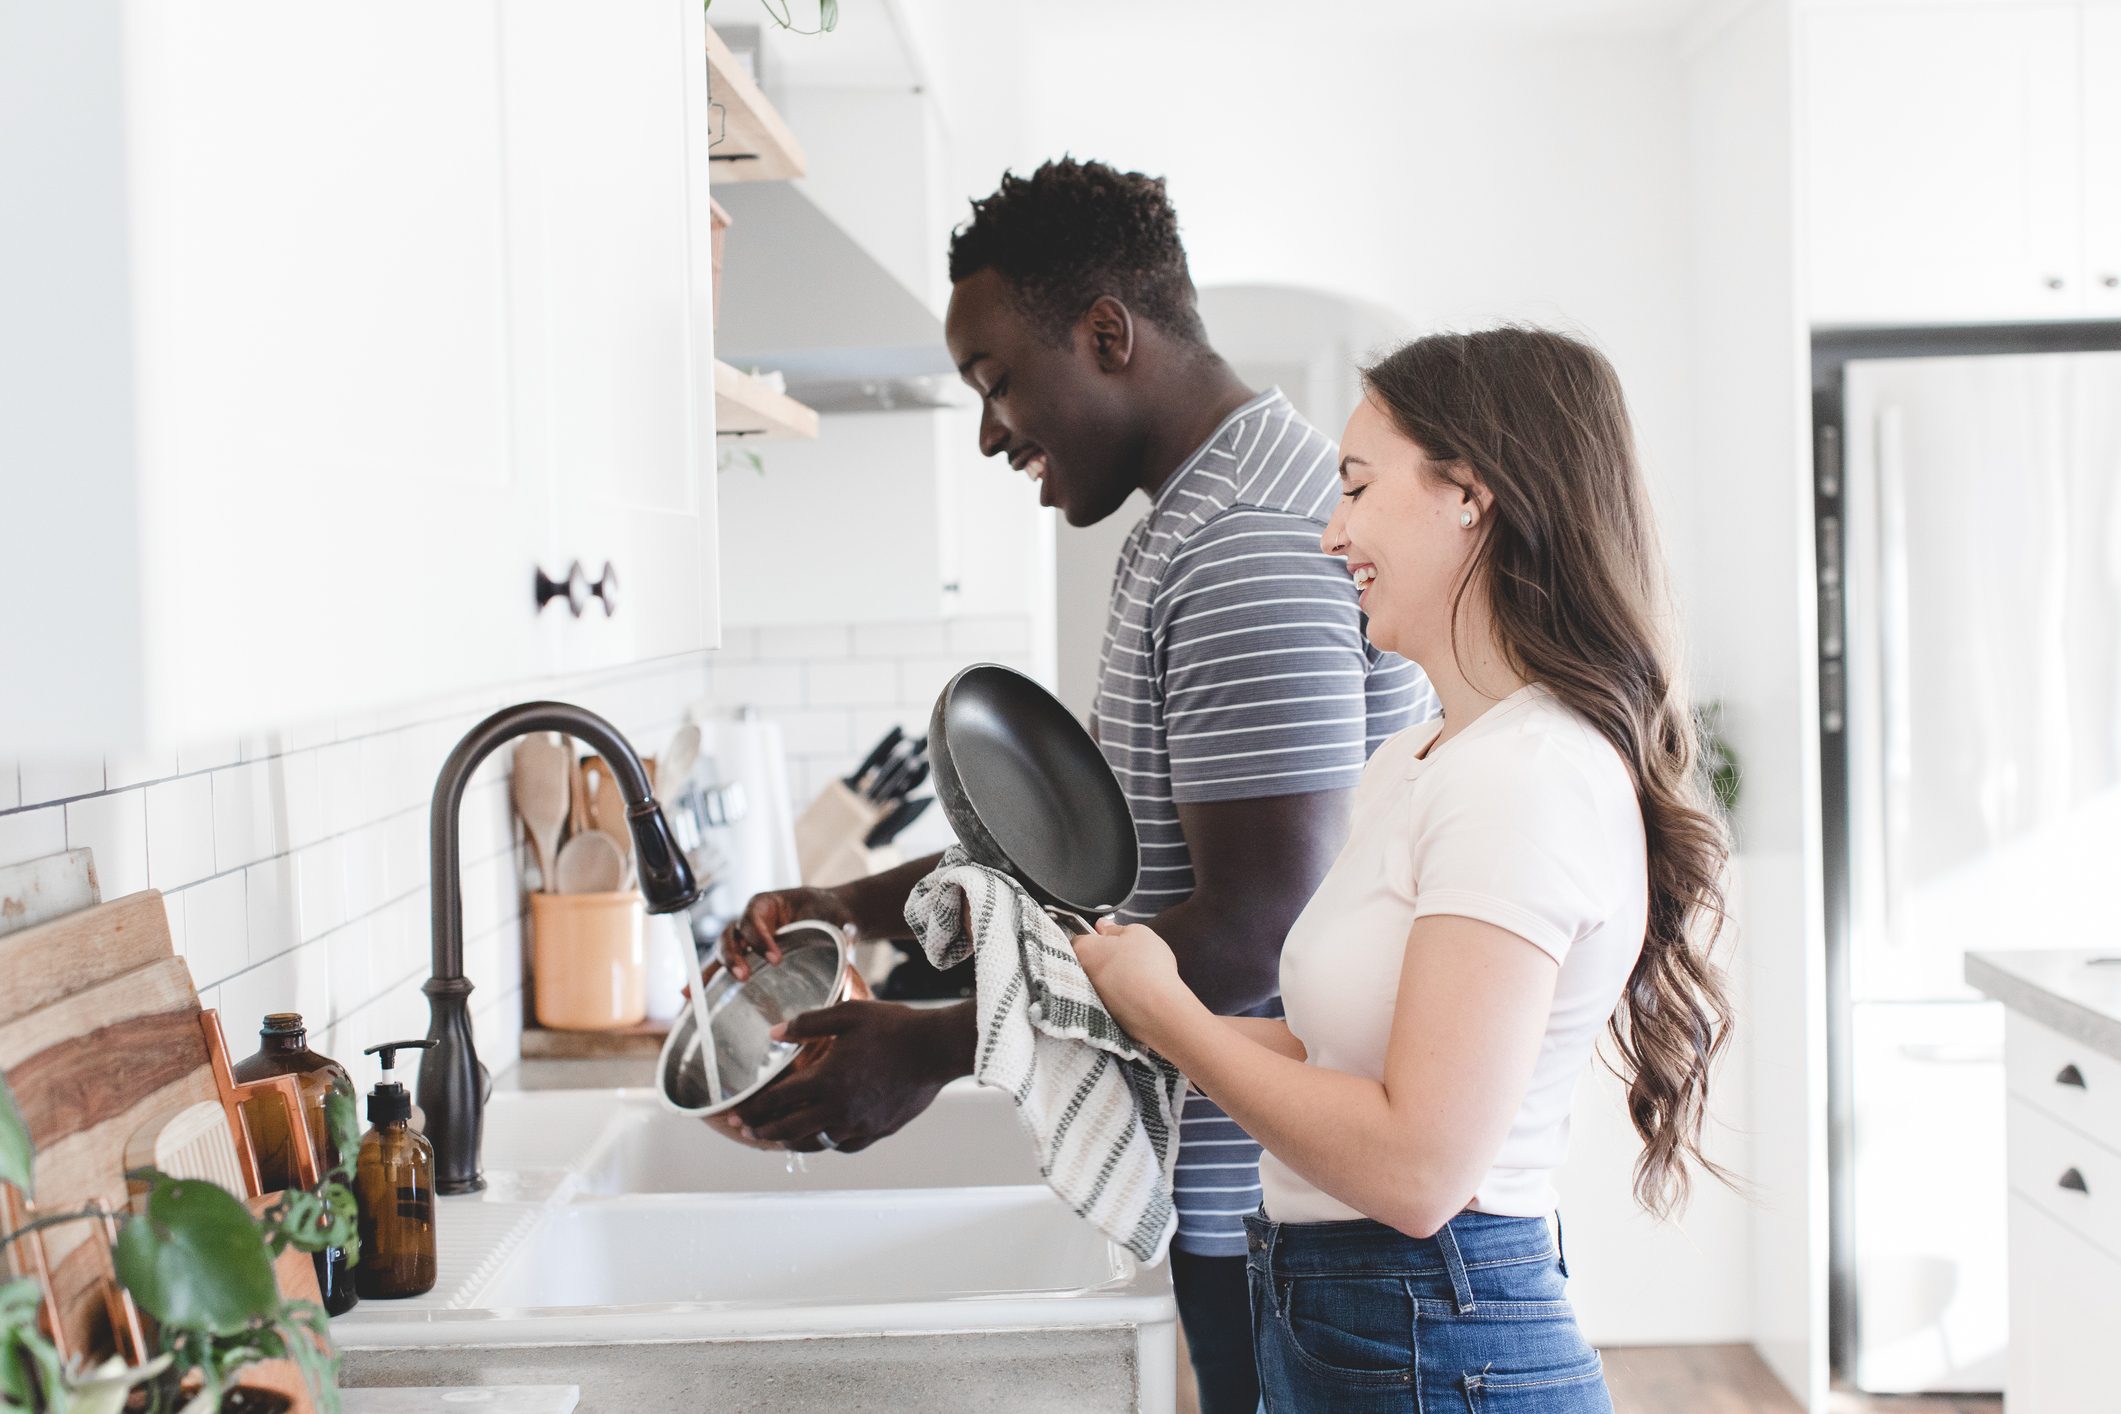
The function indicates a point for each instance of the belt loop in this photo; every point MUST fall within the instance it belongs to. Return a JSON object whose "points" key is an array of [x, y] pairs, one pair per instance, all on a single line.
{"points": [[1561, 1251], [1455, 1266], [1273, 1238]]}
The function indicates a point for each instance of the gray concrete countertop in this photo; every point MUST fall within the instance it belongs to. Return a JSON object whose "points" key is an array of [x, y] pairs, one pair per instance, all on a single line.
{"points": [[2074, 992]]}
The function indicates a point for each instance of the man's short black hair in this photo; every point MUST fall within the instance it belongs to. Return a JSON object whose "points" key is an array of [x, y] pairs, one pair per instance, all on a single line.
{"points": [[1073, 231]]}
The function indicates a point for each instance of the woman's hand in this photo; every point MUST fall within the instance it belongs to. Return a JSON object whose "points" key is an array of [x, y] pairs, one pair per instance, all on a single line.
{"points": [[1136, 975]]}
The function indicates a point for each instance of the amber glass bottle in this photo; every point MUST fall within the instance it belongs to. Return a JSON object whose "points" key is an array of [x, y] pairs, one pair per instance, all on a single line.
{"points": [[283, 1049], [394, 1182]]}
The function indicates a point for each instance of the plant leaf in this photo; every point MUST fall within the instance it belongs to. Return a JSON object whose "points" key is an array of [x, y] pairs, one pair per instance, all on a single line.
{"points": [[18, 1159], [103, 1389], [196, 1259], [344, 1125], [828, 15]]}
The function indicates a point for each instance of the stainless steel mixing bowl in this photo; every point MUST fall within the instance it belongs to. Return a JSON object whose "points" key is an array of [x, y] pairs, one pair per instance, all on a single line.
{"points": [[814, 972]]}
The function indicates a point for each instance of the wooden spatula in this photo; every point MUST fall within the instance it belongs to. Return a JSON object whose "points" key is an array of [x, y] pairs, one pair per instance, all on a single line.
{"points": [[542, 765]]}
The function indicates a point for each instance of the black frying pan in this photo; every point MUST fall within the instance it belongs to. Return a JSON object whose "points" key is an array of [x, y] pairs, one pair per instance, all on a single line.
{"points": [[1029, 793]]}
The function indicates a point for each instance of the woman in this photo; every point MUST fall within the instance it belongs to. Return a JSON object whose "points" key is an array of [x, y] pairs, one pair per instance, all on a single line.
{"points": [[1515, 871]]}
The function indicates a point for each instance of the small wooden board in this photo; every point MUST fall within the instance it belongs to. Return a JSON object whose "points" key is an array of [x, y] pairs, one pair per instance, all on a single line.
{"points": [[644, 1041], [47, 888]]}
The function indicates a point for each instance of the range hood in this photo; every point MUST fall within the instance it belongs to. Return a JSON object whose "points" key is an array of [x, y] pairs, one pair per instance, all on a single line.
{"points": [[801, 296]]}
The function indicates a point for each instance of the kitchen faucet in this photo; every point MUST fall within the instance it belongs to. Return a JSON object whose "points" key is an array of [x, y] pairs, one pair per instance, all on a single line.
{"points": [[453, 1085]]}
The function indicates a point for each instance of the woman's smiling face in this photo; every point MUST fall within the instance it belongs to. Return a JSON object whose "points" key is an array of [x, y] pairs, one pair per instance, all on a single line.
{"points": [[1398, 524]]}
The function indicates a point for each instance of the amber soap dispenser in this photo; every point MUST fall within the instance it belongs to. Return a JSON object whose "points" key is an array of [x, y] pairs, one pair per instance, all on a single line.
{"points": [[394, 1183], [283, 1049]]}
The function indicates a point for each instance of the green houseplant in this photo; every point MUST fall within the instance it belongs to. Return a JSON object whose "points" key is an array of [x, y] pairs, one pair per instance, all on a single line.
{"points": [[197, 1262]]}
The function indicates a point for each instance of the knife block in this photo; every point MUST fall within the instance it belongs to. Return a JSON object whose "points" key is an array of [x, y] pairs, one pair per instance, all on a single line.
{"points": [[829, 835]]}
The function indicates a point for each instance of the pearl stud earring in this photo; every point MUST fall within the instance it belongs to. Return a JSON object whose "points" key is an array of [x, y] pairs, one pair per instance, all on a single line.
{"points": [[1465, 518]]}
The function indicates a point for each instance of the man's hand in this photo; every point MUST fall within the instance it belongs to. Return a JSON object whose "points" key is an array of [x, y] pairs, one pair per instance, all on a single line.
{"points": [[752, 932], [884, 1067]]}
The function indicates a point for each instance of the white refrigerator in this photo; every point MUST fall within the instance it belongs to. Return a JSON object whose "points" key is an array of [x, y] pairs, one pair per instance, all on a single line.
{"points": [[1972, 683]]}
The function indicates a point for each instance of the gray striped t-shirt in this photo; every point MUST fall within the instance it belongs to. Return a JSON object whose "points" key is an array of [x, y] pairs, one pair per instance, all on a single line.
{"points": [[1235, 667]]}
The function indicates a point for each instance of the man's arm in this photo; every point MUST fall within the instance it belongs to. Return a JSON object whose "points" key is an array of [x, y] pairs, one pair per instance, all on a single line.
{"points": [[1256, 863]]}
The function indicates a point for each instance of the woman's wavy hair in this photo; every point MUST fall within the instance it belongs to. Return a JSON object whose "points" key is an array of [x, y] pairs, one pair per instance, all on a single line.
{"points": [[1574, 578]]}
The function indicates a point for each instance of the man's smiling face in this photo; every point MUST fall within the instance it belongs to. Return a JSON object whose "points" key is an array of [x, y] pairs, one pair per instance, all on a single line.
{"points": [[1055, 412]]}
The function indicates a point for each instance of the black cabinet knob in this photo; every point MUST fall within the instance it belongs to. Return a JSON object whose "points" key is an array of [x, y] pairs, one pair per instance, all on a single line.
{"points": [[2070, 1075], [2073, 1181], [607, 589], [574, 589]]}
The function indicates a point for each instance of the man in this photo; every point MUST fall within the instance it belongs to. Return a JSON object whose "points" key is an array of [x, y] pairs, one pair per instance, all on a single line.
{"points": [[1237, 700]]}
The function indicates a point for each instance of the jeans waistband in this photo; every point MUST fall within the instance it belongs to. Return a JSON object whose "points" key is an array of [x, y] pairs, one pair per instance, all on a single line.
{"points": [[1470, 1240]]}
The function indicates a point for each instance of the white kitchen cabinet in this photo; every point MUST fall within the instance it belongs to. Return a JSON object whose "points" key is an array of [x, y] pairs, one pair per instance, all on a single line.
{"points": [[318, 330], [2102, 159], [1946, 162], [2062, 1317], [2065, 1219], [609, 237]]}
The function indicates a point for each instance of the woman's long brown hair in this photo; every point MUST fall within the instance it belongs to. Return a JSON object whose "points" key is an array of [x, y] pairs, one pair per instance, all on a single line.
{"points": [[1575, 580]]}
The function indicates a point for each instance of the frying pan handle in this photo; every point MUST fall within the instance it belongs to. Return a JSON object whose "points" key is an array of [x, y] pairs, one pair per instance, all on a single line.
{"points": [[1073, 922]]}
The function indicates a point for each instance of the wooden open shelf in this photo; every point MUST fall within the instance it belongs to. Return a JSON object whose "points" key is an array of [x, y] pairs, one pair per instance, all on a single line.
{"points": [[745, 407], [645, 1040], [754, 144]]}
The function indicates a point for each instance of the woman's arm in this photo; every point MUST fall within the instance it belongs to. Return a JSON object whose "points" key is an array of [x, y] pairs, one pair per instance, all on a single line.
{"points": [[1269, 1031], [1409, 1150]]}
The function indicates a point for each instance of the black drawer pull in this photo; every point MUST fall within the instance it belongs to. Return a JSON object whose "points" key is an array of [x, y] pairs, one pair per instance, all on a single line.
{"points": [[2070, 1075], [573, 591], [2073, 1181]]}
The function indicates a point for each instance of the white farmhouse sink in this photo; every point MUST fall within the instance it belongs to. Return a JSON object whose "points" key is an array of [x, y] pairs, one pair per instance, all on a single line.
{"points": [[638, 1253], [970, 1137], [812, 1249]]}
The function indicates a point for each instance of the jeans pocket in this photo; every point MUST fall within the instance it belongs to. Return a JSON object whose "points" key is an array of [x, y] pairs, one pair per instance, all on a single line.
{"points": [[1575, 1387], [1351, 1329]]}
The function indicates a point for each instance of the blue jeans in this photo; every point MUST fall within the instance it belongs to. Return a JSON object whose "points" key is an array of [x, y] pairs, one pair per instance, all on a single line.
{"points": [[1354, 1316]]}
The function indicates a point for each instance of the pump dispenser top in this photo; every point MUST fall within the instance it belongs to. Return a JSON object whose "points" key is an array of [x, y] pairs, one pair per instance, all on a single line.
{"points": [[390, 1102]]}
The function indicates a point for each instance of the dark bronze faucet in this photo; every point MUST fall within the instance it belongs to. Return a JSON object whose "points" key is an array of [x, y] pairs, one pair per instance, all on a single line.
{"points": [[453, 1085]]}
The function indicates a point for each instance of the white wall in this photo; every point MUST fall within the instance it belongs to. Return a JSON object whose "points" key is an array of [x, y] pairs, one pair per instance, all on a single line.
{"points": [[1754, 628]]}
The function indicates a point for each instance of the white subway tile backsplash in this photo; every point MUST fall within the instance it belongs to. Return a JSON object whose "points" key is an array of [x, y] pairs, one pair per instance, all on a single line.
{"points": [[810, 643], [922, 679], [350, 954], [297, 859], [250, 814], [304, 797], [816, 731], [974, 638], [900, 640], [249, 995], [209, 755], [320, 888], [138, 768], [270, 890], [852, 684], [44, 781], [180, 831], [341, 789], [216, 928], [115, 827], [762, 685], [32, 834]]}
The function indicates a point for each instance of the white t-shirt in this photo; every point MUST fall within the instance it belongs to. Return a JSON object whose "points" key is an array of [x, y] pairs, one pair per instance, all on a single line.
{"points": [[1527, 820]]}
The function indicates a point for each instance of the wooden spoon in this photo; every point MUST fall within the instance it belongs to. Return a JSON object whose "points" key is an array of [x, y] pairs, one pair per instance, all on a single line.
{"points": [[540, 785], [607, 808], [673, 769], [590, 864]]}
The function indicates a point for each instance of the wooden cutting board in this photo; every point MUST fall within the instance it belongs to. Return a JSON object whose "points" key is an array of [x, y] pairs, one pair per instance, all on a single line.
{"points": [[99, 1038]]}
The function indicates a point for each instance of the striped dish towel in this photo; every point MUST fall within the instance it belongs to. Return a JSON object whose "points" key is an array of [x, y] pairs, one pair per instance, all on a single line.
{"points": [[1102, 1109]]}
